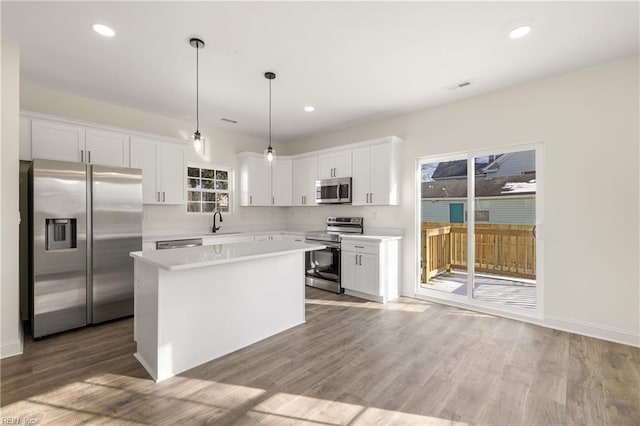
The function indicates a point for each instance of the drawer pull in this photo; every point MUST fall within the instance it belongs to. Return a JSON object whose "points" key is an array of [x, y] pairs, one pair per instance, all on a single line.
{"points": [[359, 247]]}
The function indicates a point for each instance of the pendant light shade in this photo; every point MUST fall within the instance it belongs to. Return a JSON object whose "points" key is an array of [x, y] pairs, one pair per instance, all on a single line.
{"points": [[197, 137], [269, 153]]}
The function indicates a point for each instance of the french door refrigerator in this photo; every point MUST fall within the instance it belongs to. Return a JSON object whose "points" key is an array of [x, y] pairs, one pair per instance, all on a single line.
{"points": [[84, 221]]}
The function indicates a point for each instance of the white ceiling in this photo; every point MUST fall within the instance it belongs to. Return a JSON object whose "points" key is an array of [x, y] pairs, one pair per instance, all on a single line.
{"points": [[354, 61]]}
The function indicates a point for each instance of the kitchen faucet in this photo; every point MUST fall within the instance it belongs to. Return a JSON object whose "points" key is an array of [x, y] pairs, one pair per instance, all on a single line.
{"points": [[215, 228]]}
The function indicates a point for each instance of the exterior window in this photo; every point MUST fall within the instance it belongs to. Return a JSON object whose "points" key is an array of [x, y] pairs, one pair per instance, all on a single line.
{"points": [[208, 189]]}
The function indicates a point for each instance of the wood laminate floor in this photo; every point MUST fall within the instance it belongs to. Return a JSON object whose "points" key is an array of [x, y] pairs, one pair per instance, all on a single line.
{"points": [[353, 362]]}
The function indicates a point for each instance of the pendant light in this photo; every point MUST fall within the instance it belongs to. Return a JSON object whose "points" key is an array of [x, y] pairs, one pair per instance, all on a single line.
{"points": [[269, 153], [197, 137]]}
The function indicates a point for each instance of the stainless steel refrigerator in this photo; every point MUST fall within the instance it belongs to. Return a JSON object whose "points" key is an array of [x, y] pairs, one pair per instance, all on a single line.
{"points": [[84, 221]]}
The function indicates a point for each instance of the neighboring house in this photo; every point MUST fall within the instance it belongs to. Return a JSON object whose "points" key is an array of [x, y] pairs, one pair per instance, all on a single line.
{"points": [[512, 164], [505, 190]]}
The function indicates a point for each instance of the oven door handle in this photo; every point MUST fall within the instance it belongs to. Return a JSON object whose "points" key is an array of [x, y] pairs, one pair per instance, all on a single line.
{"points": [[329, 244]]}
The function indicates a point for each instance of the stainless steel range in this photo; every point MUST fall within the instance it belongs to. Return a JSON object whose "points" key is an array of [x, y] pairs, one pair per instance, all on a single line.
{"points": [[323, 266]]}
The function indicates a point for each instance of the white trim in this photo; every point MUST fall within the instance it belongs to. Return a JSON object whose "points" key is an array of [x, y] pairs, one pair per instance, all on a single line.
{"points": [[468, 300], [230, 189], [611, 334], [492, 197], [11, 348]]}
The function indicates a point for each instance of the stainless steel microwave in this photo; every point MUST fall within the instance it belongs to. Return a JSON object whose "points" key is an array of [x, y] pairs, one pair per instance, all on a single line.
{"points": [[333, 191]]}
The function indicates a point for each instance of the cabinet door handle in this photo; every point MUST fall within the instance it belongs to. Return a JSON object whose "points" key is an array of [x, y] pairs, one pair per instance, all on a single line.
{"points": [[273, 200], [356, 259], [367, 198], [82, 156], [250, 199], [371, 197], [158, 197], [163, 197], [360, 259], [88, 156]]}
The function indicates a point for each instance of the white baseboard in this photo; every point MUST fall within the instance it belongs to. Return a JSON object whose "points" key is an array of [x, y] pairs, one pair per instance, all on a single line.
{"points": [[617, 335], [626, 337], [11, 348]]}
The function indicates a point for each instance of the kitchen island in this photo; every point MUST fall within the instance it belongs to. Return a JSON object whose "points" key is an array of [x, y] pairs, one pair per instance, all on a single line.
{"points": [[193, 305]]}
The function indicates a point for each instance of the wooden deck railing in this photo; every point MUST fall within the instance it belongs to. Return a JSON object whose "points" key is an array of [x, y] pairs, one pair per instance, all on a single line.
{"points": [[508, 250]]}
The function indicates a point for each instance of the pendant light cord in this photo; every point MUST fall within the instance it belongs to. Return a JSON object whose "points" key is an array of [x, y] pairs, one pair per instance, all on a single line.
{"points": [[197, 87], [269, 113]]}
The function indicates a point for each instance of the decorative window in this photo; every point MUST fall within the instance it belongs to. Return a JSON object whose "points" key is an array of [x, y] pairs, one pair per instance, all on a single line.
{"points": [[208, 189]]}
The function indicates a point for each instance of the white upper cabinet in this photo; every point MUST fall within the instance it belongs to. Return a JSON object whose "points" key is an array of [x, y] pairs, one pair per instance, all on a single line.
{"points": [[304, 175], [255, 181], [334, 164], [163, 170], [106, 147], [264, 184], [57, 140], [172, 178], [281, 182], [376, 174]]}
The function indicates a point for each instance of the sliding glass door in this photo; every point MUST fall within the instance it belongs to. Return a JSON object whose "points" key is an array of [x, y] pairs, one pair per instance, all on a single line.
{"points": [[478, 213]]}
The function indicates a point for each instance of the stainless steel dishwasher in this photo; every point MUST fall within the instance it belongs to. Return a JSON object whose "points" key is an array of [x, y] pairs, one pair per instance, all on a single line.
{"points": [[170, 244]]}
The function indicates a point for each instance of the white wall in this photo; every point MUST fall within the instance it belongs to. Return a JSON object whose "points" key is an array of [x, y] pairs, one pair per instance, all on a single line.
{"points": [[10, 328], [588, 121], [221, 148]]}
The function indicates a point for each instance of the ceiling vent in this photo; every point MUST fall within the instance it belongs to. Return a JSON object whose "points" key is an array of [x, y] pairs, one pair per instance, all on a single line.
{"points": [[228, 120], [460, 85]]}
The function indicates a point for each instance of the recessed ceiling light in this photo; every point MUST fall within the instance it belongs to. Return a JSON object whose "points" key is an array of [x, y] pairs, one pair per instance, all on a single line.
{"points": [[520, 31], [103, 30], [309, 108]]}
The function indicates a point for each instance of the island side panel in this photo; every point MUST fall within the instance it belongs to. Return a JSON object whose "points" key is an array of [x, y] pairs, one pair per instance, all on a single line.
{"points": [[145, 325], [208, 312]]}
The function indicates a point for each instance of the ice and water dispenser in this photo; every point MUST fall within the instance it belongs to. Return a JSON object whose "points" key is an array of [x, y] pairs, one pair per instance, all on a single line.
{"points": [[61, 234]]}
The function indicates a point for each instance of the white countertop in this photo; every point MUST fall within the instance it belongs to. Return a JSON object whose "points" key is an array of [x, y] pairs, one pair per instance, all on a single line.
{"points": [[196, 257], [203, 234]]}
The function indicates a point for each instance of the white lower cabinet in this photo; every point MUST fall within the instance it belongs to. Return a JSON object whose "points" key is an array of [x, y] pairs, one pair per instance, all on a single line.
{"points": [[298, 237], [268, 237], [226, 239], [369, 269], [148, 245]]}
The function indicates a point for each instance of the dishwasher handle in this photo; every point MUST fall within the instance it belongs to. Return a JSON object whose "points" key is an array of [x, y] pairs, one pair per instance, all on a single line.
{"points": [[170, 244]]}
